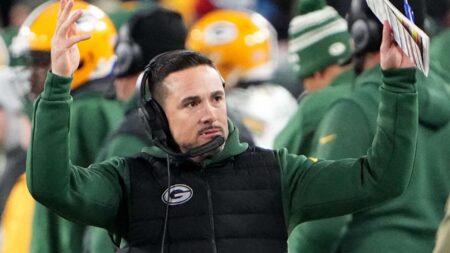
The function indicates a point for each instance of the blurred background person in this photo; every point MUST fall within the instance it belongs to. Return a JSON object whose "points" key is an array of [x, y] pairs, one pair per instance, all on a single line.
{"points": [[275, 11], [15, 202], [243, 45], [437, 17], [4, 54], [320, 49], [438, 52], [95, 111], [278, 13], [439, 43], [409, 222], [17, 13]]}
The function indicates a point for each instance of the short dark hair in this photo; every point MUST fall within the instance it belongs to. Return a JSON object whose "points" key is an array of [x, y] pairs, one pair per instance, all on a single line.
{"points": [[166, 63]]}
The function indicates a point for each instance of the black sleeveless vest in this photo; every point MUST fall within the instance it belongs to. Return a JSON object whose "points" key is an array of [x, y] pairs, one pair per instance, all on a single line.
{"points": [[231, 207]]}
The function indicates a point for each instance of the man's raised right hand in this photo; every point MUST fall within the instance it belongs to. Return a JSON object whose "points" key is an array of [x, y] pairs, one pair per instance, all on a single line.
{"points": [[65, 55]]}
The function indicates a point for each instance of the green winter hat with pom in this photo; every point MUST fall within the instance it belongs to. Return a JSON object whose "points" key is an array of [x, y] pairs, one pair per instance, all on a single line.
{"points": [[318, 37]]}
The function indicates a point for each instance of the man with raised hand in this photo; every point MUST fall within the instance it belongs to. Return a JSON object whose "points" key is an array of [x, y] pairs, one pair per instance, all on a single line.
{"points": [[199, 189]]}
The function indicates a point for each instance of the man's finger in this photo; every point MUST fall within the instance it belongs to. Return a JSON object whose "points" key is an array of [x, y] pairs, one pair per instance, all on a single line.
{"points": [[62, 4], [64, 28], [75, 39], [65, 12], [387, 38]]}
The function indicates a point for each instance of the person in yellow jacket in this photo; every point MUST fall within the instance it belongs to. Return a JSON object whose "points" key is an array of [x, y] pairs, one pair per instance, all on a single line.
{"points": [[19, 210], [16, 204]]}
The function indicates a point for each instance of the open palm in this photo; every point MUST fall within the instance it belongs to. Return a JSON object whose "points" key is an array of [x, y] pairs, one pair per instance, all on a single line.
{"points": [[65, 55]]}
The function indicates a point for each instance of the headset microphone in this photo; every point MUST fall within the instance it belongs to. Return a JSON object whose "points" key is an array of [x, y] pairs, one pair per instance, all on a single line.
{"points": [[206, 148], [197, 151]]}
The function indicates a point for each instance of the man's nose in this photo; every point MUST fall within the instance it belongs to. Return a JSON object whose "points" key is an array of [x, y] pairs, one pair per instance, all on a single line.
{"points": [[208, 114]]}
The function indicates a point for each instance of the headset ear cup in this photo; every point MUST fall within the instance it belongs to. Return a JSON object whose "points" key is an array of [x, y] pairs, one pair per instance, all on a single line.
{"points": [[129, 53], [375, 31], [137, 57], [152, 121], [129, 57], [159, 119], [360, 34], [124, 60], [364, 27], [155, 122], [145, 120], [153, 114]]}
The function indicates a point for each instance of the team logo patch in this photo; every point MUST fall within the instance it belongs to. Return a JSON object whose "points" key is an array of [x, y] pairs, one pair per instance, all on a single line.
{"points": [[220, 33], [327, 138], [177, 194], [337, 49]]}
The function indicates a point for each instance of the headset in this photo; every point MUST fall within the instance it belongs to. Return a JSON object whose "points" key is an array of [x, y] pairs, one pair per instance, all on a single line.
{"points": [[156, 123], [128, 52], [364, 28]]}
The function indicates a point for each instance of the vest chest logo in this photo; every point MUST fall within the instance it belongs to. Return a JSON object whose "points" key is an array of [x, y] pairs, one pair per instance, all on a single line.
{"points": [[178, 194]]}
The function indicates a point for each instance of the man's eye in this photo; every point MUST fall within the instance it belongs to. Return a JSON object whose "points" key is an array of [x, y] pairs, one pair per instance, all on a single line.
{"points": [[192, 104], [218, 98]]}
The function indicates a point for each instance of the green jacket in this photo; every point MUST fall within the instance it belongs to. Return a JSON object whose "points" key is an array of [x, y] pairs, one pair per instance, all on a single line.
{"points": [[91, 118], [121, 144], [297, 136], [408, 223], [95, 195], [299, 133], [439, 52]]}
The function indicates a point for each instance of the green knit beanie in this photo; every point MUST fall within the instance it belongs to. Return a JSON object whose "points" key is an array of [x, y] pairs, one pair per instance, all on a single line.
{"points": [[318, 37]]}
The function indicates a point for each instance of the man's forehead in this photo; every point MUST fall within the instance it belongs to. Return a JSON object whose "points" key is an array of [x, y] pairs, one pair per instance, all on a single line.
{"points": [[201, 77]]}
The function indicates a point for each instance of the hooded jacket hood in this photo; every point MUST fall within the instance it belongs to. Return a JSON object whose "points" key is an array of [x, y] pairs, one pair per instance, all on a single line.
{"points": [[433, 91], [232, 147]]}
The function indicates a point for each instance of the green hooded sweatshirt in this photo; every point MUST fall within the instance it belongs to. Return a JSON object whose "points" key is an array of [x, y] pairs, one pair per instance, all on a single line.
{"points": [[97, 240], [94, 195], [122, 144], [300, 131], [408, 223], [439, 52], [297, 136], [91, 118]]}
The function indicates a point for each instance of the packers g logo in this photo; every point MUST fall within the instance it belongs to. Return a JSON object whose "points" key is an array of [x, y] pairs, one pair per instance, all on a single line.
{"points": [[219, 33], [177, 194]]}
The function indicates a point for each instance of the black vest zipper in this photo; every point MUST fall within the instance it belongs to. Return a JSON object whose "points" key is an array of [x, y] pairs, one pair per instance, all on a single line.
{"points": [[211, 216]]}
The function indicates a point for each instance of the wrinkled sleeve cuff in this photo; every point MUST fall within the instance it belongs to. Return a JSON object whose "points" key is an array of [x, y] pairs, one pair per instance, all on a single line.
{"points": [[400, 80], [57, 88]]}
